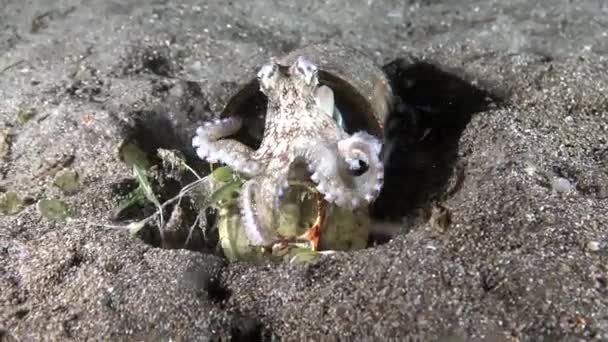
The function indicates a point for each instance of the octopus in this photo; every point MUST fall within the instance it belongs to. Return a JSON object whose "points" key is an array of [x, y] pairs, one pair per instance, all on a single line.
{"points": [[302, 141]]}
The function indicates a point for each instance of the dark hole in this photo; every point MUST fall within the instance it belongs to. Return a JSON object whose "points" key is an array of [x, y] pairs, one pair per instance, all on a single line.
{"points": [[123, 187], [248, 329], [167, 129], [21, 313], [378, 238], [157, 64], [217, 292], [432, 109], [29, 200], [181, 237], [76, 260]]}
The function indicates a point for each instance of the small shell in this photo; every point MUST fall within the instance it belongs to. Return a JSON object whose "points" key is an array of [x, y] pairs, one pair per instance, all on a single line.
{"points": [[344, 230]]}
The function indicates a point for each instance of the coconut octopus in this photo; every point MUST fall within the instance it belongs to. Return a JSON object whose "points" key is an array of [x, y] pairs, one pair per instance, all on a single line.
{"points": [[302, 141]]}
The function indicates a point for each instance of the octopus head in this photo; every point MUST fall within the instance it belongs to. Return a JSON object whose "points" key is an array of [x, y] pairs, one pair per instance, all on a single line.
{"points": [[299, 78], [304, 72]]}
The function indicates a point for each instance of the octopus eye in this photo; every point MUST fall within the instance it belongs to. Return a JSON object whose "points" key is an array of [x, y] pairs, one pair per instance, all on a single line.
{"points": [[359, 169], [266, 72], [266, 75], [305, 68]]}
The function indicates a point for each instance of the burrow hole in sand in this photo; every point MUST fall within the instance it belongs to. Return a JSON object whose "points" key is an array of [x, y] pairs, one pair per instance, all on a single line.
{"points": [[433, 107]]}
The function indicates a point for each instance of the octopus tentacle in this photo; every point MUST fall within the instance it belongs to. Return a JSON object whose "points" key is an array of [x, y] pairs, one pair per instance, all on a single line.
{"points": [[330, 169], [258, 233], [271, 190], [260, 204], [364, 147], [210, 146], [323, 164]]}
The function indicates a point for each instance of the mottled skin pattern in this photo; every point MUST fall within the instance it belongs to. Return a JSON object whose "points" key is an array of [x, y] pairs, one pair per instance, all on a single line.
{"points": [[301, 141]]}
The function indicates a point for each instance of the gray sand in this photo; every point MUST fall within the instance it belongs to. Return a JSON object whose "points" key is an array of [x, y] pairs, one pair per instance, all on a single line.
{"points": [[523, 260]]}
